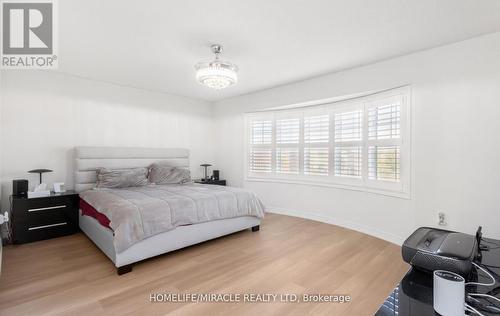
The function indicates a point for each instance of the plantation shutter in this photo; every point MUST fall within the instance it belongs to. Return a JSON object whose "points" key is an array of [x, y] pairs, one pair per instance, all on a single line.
{"points": [[261, 160], [287, 131], [260, 154], [287, 145], [384, 121], [348, 161], [316, 129], [287, 160], [384, 163], [262, 132], [348, 148], [384, 141], [348, 126], [316, 145]]}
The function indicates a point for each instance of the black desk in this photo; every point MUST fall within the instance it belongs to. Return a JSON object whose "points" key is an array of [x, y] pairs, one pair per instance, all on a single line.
{"points": [[414, 296]]}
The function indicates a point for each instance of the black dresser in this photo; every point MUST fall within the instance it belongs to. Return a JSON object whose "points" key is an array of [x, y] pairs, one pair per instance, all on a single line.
{"points": [[44, 217], [216, 182]]}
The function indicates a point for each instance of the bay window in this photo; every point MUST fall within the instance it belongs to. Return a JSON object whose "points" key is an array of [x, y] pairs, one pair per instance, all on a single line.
{"points": [[361, 143]]}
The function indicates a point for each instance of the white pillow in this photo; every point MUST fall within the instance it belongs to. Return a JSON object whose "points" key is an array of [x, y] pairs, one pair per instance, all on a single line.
{"points": [[121, 178], [163, 174]]}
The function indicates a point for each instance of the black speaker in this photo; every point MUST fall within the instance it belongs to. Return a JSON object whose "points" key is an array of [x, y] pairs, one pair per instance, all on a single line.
{"points": [[20, 187], [216, 175]]}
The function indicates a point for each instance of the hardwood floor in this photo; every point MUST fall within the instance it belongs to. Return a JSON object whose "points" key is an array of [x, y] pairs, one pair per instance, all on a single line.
{"points": [[70, 276]]}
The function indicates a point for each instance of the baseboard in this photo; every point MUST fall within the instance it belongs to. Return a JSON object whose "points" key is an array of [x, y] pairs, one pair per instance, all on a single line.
{"points": [[395, 239]]}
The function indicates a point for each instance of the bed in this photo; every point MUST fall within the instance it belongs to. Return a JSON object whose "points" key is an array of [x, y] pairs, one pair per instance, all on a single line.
{"points": [[89, 159]]}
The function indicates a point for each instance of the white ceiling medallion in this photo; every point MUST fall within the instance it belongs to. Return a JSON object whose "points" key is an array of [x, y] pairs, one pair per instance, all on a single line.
{"points": [[216, 74]]}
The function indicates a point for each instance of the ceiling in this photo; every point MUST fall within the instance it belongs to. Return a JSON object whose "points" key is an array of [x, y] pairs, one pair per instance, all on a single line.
{"points": [[154, 44]]}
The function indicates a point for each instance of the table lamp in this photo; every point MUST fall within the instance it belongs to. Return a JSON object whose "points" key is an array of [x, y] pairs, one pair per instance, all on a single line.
{"points": [[40, 171], [206, 165]]}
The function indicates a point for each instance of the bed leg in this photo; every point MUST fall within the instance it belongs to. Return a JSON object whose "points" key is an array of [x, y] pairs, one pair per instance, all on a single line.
{"points": [[256, 228], [124, 269]]}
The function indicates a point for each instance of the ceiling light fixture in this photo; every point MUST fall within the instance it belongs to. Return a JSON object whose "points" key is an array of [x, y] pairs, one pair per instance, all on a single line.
{"points": [[216, 74]]}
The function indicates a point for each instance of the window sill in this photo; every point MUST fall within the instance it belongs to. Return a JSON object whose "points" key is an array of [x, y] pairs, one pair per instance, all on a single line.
{"points": [[397, 194]]}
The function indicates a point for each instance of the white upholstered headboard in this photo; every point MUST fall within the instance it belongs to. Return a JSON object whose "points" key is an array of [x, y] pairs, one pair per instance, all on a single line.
{"points": [[89, 159]]}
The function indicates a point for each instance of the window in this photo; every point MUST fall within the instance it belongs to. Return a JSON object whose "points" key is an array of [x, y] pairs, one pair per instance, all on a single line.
{"points": [[260, 159], [316, 145], [287, 145], [361, 143], [384, 163], [384, 140], [348, 143], [348, 161]]}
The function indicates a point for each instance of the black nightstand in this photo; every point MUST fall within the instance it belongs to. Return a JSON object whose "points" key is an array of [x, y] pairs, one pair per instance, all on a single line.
{"points": [[216, 182], [44, 217]]}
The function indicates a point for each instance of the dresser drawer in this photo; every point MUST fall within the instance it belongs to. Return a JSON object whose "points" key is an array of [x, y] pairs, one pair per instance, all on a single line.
{"points": [[24, 234], [30, 208], [45, 217]]}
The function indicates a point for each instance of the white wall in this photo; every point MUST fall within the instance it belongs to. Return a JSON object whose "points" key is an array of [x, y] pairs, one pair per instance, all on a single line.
{"points": [[456, 143], [1, 147], [2, 227], [45, 114]]}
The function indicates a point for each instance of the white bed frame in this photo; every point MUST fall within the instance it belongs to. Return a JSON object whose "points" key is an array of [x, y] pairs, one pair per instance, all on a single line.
{"points": [[88, 159]]}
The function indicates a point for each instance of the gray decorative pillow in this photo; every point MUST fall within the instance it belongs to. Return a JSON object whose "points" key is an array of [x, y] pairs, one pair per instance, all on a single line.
{"points": [[162, 174], [121, 178]]}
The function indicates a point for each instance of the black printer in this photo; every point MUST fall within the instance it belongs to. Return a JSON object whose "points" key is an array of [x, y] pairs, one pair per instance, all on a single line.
{"points": [[431, 249]]}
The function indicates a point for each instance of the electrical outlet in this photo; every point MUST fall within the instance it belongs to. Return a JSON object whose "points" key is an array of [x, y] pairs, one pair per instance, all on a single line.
{"points": [[441, 219]]}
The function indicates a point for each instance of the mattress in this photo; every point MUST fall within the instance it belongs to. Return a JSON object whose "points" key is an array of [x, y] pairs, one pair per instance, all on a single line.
{"points": [[138, 213]]}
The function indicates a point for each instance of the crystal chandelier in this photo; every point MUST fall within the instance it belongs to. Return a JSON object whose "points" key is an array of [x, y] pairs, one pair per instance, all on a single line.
{"points": [[216, 74]]}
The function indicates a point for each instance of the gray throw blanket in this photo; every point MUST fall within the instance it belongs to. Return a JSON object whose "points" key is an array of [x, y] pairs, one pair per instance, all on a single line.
{"points": [[137, 213]]}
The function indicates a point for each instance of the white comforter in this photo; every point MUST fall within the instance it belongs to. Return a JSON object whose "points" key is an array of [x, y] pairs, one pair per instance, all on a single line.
{"points": [[141, 212]]}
